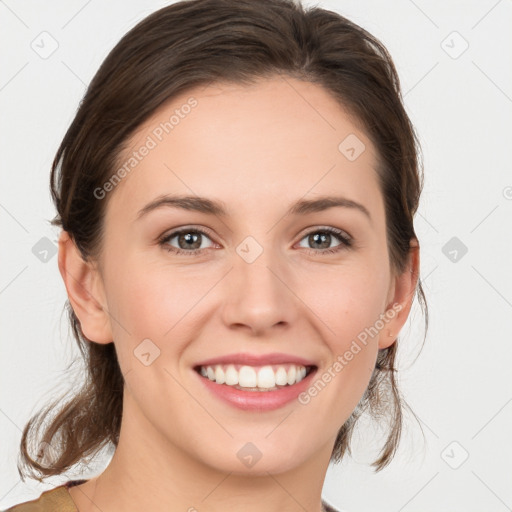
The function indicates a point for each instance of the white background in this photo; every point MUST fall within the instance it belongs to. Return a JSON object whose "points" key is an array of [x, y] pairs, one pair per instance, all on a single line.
{"points": [[462, 109]]}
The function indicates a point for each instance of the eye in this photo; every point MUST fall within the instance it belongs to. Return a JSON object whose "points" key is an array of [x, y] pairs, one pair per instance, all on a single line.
{"points": [[323, 237], [190, 239]]}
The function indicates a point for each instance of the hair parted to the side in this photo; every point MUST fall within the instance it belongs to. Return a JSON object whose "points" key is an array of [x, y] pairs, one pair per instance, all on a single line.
{"points": [[192, 43]]}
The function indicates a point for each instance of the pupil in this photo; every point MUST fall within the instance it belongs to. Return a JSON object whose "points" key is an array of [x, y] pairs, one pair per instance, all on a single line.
{"points": [[190, 238], [323, 236]]}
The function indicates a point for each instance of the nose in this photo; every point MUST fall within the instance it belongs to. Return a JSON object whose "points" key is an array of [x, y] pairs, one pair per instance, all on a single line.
{"points": [[259, 296]]}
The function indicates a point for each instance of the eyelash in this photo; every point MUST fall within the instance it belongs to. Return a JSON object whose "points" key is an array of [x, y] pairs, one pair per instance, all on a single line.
{"points": [[346, 241]]}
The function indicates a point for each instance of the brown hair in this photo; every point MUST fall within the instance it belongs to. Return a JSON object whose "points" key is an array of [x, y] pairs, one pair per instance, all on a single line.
{"points": [[193, 43]]}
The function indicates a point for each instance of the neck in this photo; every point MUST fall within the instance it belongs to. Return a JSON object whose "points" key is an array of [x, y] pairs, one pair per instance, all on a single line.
{"points": [[149, 472]]}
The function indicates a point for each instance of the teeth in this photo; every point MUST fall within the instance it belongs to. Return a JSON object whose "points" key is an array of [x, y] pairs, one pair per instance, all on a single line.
{"points": [[231, 376], [247, 377], [282, 376], [264, 377], [292, 375], [219, 375]]}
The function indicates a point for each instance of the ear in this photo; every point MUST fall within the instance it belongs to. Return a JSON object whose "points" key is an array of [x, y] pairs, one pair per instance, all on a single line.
{"points": [[401, 297], [85, 291]]}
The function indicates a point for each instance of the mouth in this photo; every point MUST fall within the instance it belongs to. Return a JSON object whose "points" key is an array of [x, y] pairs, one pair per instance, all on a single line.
{"points": [[262, 378]]}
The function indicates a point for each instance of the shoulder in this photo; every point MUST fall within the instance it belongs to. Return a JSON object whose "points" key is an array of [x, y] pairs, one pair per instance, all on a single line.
{"points": [[53, 500]]}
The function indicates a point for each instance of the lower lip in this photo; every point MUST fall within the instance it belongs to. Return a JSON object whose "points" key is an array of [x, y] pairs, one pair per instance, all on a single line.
{"points": [[257, 400]]}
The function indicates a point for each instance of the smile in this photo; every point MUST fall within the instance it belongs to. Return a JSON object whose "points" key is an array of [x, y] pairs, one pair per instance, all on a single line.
{"points": [[255, 378], [253, 388]]}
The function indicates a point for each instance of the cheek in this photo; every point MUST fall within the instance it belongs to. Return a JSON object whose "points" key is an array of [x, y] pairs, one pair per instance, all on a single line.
{"points": [[346, 301], [153, 301]]}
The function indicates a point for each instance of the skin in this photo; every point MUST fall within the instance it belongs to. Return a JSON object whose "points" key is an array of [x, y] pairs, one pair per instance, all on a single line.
{"points": [[258, 148]]}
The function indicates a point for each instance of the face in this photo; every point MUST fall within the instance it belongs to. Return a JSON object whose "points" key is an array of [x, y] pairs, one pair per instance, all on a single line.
{"points": [[183, 285]]}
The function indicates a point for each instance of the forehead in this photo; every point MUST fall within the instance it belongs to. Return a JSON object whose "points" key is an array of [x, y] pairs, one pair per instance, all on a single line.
{"points": [[274, 139]]}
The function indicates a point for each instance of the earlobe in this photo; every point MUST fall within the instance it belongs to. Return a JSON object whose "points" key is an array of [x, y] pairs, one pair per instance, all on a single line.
{"points": [[85, 291], [400, 306]]}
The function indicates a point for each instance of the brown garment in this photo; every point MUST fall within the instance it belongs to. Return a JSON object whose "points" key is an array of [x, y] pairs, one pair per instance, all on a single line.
{"points": [[59, 500], [53, 500]]}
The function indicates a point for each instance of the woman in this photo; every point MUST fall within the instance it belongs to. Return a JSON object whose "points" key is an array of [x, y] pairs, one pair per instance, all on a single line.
{"points": [[236, 195]]}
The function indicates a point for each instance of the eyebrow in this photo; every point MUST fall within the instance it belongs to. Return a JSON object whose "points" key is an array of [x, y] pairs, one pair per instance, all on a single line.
{"points": [[218, 208]]}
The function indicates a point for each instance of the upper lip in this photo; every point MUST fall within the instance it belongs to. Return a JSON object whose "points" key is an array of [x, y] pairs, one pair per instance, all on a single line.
{"points": [[257, 360]]}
